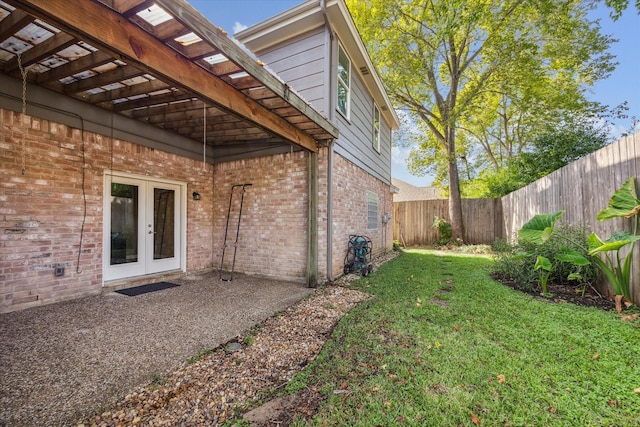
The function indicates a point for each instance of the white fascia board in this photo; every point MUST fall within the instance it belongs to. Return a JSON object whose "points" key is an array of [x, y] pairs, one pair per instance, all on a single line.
{"points": [[288, 24]]}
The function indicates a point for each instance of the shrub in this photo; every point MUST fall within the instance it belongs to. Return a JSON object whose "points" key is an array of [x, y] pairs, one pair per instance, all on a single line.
{"points": [[444, 230], [508, 266]]}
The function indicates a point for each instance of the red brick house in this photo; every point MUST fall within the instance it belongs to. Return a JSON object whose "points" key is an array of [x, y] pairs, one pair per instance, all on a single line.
{"points": [[125, 125]]}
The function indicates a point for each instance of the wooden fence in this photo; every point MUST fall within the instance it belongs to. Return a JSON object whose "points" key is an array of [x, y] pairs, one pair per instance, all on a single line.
{"points": [[413, 220], [581, 189]]}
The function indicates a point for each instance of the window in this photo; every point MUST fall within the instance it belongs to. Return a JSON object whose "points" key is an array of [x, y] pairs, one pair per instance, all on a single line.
{"points": [[344, 82], [376, 128], [372, 210]]}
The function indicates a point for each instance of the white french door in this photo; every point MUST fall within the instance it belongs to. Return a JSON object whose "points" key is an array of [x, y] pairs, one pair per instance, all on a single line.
{"points": [[143, 223]]}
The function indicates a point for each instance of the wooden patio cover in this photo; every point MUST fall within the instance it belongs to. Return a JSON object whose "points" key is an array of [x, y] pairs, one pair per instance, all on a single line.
{"points": [[158, 61]]}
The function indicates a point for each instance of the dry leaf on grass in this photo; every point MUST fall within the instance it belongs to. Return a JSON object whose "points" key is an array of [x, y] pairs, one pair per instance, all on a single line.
{"points": [[475, 419]]}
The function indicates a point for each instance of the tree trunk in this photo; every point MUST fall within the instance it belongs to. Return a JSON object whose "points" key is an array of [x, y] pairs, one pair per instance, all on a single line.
{"points": [[455, 199]]}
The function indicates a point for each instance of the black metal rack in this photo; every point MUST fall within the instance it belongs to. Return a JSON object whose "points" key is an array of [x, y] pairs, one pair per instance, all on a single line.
{"points": [[226, 231], [359, 253]]}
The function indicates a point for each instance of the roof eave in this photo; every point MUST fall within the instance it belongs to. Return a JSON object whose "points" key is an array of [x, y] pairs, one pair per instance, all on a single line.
{"points": [[309, 15]]}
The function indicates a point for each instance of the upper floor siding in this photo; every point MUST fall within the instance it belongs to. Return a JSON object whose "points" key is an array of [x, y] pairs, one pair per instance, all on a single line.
{"points": [[308, 63]]}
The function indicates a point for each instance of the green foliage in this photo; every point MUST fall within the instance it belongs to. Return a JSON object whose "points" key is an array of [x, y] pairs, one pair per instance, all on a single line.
{"points": [[477, 74], [557, 148], [619, 6], [539, 228], [396, 245], [544, 267], [567, 244], [624, 203], [441, 342], [157, 380], [480, 80], [552, 149], [444, 230], [199, 356]]}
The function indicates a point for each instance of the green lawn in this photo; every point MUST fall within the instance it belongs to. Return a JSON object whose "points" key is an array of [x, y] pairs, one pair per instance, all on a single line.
{"points": [[441, 344]]}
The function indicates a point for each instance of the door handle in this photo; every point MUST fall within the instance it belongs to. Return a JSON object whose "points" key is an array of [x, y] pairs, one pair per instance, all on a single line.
{"points": [[152, 232]]}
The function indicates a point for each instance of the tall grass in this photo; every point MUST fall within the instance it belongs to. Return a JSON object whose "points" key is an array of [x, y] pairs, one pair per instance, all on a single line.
{"points": [[441, 344]]}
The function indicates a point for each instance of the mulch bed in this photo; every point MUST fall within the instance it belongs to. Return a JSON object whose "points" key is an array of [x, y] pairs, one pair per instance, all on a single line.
{"points": [[565, 293]]}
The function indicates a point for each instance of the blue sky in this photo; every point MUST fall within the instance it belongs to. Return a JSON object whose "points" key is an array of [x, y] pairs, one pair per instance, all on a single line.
{"points": [[622, 85]]}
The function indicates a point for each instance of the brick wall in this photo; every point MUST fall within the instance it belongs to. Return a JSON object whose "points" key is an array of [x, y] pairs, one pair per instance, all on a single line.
{"points": [[42, 212], [273, 231], [350, 187]]}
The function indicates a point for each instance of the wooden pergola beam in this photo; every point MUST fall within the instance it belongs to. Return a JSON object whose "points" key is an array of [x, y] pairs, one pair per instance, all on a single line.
{"points": [[108, 30], [187, 15]]}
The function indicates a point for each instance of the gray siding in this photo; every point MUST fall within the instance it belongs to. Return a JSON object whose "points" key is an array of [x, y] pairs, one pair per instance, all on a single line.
{"points": [[356, 135], [301, 63]]}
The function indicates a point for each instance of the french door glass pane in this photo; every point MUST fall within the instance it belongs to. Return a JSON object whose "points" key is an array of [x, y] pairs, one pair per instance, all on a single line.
{"points": [[163, 223], [124, 223]]}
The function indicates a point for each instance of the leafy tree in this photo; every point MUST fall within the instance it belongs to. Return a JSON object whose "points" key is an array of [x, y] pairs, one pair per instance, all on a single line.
{"points": [[453, 64], [557, 147], [620, 6]]}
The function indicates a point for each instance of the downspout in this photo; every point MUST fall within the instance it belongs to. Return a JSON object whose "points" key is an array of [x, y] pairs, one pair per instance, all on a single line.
{"points": [[328, 40]]}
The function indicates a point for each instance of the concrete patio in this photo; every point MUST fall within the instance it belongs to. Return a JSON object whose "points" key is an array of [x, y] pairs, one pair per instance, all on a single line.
{"points": [[59, 362]]}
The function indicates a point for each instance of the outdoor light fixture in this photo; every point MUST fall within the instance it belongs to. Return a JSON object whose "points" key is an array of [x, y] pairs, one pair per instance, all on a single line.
{"points": [[196, 195]]}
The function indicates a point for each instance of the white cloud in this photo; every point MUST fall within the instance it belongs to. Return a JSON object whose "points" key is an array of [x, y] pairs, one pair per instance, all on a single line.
{"points": [[399, 155], [237, 27]]}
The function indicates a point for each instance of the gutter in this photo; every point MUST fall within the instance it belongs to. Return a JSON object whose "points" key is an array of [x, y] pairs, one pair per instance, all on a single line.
{"points": [[329, 82]]}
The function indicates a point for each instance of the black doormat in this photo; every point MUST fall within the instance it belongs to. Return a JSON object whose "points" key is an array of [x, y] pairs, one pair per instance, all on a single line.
{"points": [[151, 287]]}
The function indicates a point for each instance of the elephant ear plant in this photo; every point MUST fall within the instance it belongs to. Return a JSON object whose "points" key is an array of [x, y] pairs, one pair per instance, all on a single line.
{"points": [[538, 230], [624, 203]]}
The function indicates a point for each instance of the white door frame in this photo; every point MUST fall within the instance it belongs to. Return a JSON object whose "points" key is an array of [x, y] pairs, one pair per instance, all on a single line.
{"points": [[147, 265]]}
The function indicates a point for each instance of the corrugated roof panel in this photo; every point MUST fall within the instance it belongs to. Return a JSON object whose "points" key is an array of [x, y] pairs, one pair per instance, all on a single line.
{"points": [[239, 75], [47, 26], [216, 59], [68, 80], [37, 68], [7, 6], [3, 12], [95, 90], [34, 34], [134, 81], [188, 39], [109, 66], [15, 45], [53, 61], [85, 75], [159, 92], [154, 15], [74, 51], [87, 46], [113, 86]]}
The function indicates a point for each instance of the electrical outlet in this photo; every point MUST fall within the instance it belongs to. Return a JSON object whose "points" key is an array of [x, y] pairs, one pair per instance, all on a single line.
{"points": [[59, 270]]}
